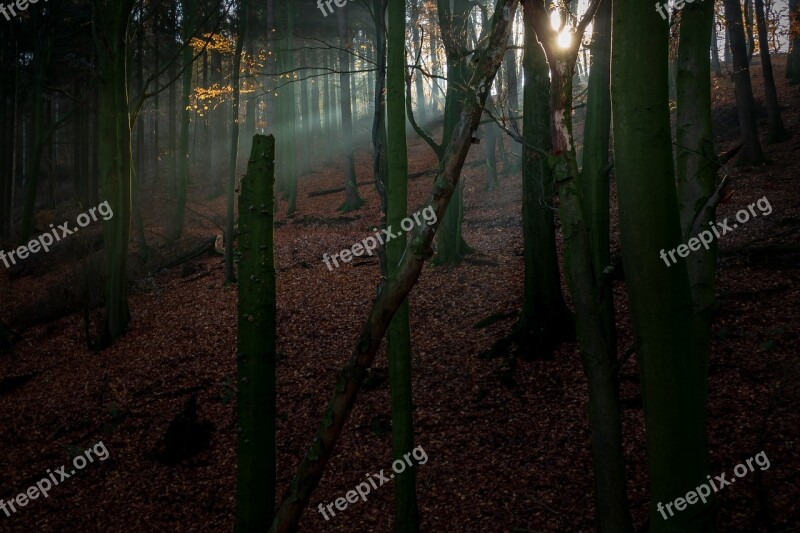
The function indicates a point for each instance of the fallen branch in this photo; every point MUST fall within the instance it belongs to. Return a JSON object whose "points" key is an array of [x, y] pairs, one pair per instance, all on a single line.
{"points": [[334, 190]]}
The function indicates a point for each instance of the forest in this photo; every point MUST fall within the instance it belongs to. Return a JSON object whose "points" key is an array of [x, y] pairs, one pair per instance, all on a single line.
{"points": [[521, 266]]}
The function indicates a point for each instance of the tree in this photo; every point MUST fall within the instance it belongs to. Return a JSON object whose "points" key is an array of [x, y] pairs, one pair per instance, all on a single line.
{"points": [[659, 297], [545, 320], [793, 61], [454, 22], [110, 27], [775, 130], [255, 400], [696, 158], [230, 276], [352, 201], [399, 332], [745, 105], [596, 167], [187, 59]]}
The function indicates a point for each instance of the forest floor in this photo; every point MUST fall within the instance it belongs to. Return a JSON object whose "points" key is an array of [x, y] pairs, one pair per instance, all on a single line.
{"points": [[507, 451]]}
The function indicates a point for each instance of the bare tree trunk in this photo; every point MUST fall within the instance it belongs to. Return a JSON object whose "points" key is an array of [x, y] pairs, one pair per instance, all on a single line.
{"points": [[775, 130], [751, 150], [352, 200]]}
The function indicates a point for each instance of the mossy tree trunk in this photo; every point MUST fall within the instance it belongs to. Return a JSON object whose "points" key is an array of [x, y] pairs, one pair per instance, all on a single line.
{"points": [[596, 167], [399, 332], [255, 404], [659, 297]]}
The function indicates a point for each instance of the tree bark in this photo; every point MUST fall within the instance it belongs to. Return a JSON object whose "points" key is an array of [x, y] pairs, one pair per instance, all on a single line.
{"points": [[399, 332], [256, 399], [110, 26], [596, 167], [545, 320], [659, 296]]}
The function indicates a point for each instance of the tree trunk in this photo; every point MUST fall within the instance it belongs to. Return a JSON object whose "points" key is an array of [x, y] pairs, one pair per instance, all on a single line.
{"points": [[751, 150], [775, 130], [352, 200], [399, 332], [596, 168], [793, 61], [138, 172], [422, 115], [715, 65], [189, 12], [287, 126], [394, 291], [42, 54], [748, 25], [305, 136], [230, 276], [255, 400], [173, 113], [110, 24], [454, 23], [545, 320], [659, 296]]}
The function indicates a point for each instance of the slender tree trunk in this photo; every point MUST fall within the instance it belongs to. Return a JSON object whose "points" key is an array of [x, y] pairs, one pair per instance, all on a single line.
{"points": [[182, 157], [138, 169], [422, 115], [399, 332], [352, 200], [156, 107], [512, 90], [715, 65], [454, 23], [775, 130], [659, 296], [305, 136], [596, 168], [255, 404], [172, 182], [230, 276], [42, 53], [287, 113], [751, 150], [748, 25], [793, 61]]}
